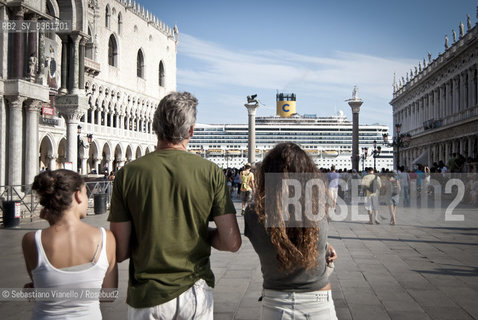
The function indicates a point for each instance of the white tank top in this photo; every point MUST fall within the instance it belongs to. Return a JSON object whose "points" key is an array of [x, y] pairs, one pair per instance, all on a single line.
{"points": [[45, 275]]}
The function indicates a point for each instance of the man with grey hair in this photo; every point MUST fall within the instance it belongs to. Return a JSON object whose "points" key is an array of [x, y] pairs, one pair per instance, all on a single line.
{"points": [[160, 210]]}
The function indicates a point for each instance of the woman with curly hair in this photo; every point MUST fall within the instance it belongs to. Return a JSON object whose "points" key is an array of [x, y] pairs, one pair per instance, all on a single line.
{"points": [[70, 253], [288, 229]]}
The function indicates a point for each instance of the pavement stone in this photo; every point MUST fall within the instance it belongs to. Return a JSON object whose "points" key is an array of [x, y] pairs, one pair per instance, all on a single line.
{"points": [[422, 268]]}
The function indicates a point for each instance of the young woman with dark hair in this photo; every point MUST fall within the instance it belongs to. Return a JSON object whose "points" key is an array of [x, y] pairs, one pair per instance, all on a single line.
{"points": [[70, 253], [292, 245]]}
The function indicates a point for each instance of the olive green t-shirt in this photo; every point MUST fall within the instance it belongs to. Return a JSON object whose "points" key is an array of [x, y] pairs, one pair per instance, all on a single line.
{"points": [[169, 196]]}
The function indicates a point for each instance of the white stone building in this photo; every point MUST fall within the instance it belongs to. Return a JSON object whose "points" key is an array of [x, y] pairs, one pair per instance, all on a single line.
{"points": [[437, 103], [106, 75]]}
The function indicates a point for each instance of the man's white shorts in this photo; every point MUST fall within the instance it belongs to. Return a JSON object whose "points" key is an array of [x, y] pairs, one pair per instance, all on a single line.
{"points": [[332, 199], [195, 303], [371, 203]]}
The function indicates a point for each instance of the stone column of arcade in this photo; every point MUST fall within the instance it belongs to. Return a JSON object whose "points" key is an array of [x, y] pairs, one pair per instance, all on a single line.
{"points": [[72, 108], [15, 140], [52, 162], [355, 103], [109, 163], [18, 47], [83, 165], [96, 164], [31, 143], [75, 63], [64, 65], [251, 106]]}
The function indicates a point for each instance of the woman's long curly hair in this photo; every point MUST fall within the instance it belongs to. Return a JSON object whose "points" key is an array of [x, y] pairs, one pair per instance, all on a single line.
{"points": [[296, 245], [56, 189]]}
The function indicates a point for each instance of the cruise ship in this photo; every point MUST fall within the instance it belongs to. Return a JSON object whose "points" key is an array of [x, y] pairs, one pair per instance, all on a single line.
{"points": [[328, 140]]}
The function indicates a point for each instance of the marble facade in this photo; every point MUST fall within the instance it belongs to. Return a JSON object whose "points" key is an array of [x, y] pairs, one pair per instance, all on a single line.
{"points": [[106, 75], [437, 104]]}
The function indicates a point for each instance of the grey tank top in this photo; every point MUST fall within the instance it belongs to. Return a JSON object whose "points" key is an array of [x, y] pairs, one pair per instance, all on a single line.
{"points": [[298, 280]]}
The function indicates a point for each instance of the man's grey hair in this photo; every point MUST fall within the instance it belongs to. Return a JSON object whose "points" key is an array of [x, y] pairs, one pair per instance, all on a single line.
{"points": [[174, 117]]}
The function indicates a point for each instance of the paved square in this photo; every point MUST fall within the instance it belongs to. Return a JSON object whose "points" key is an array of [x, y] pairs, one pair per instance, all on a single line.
{"points": [[422, 268]]}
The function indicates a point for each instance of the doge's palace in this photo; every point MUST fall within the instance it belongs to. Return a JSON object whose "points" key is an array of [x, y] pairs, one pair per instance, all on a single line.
{"points": [[81, 98]]}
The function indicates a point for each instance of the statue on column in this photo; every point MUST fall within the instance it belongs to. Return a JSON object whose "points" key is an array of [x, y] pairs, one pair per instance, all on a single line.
{"points": [[355, 93], [32, 68], [176, 33], [454, 35], [446, 42], [462, 30], [42, 63], [468, 22], [429, 57]]}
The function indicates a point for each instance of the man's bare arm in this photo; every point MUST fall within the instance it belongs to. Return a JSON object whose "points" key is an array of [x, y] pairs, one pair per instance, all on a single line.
{"points": [[122, 232], [227, 236]]}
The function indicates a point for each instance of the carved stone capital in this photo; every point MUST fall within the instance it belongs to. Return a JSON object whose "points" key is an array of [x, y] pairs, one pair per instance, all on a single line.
{"points": [[19, 12], [75, 37], [251, 108], [16, 102], [34, 105], [72, 107]]}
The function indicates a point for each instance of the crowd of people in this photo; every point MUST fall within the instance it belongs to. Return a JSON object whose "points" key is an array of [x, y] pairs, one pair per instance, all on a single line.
{"points": [[162, 207]]}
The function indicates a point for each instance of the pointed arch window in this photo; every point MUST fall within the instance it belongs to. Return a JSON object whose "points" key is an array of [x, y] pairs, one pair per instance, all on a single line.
{"points": [[107, 16], [112, 52], [89, 46], [140, 64], [50, 11], [161, 74], [120, 23]]}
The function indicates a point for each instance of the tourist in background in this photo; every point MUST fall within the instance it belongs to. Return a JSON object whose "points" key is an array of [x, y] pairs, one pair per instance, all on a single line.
{"points": [[404, 179], [332, 191], [394, 192], [247, 186], [237, 183], [372, 184]]}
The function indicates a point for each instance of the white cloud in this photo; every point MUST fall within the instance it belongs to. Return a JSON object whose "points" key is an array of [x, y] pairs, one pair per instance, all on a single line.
{"points": [[330, 79], [218, 66]]}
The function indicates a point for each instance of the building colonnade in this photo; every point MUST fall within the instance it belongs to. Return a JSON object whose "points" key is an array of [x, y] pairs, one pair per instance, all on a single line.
{"points": [[438, 106], [440, 151], [444, 104]]}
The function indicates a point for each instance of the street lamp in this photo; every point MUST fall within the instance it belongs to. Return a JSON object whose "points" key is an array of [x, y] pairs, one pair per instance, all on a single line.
{"points": [[79, 144], [398, 127], [398, 141], [363, 157], [82, 145], [376, 152]]}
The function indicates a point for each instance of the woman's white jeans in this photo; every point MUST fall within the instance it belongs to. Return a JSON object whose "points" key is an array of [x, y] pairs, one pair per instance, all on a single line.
{"points": [[317, 305], [195, 303]]}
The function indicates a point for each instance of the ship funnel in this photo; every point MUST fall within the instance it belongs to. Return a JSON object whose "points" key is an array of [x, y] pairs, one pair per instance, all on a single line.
{"points": [[285, 104]]}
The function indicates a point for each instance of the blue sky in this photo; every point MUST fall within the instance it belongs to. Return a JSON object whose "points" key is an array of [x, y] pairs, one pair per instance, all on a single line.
{"points": [[317, 49]]}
